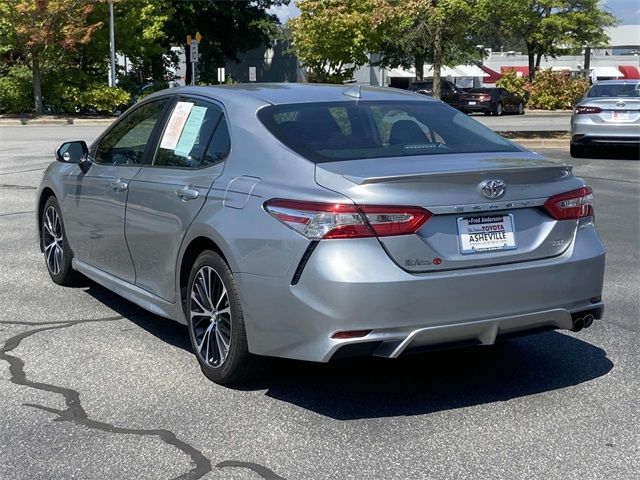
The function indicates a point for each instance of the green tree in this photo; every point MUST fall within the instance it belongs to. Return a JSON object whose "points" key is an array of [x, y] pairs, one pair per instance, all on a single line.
{"points": [[548, 27], [413, 32], [331, 37], [139, 35], [228, 28], [41, 32]]}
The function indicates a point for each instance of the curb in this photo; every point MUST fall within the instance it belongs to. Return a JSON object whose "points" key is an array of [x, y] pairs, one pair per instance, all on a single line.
{"points": [[542, 142], [11, 122]]}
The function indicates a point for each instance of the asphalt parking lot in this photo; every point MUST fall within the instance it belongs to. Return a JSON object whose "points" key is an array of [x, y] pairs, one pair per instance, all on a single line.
{"points": [[92, 386]]}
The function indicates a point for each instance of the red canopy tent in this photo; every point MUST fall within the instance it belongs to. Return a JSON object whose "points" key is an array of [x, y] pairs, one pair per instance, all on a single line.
{"points": [[630, 72], [493, 75]]}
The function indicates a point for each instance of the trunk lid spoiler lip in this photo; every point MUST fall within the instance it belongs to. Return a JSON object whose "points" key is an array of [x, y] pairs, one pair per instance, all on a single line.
{"points": [[491, 165], [415, 176]]}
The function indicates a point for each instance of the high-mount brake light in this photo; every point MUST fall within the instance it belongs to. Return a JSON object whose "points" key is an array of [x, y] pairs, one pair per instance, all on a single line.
{"points": [[317, 220], [582, 110], [571, 205]]}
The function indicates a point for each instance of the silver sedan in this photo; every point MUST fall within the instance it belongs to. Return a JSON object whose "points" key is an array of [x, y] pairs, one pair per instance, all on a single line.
{"points": [[609, 114], [317, 222]]}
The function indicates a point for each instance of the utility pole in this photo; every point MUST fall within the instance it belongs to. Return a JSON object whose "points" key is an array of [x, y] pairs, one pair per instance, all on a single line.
{"points": [[112, 47]]}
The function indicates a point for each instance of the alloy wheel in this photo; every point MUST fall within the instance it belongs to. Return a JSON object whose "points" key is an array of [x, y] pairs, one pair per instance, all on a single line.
{"points": [[210, 317], [53, 240]]}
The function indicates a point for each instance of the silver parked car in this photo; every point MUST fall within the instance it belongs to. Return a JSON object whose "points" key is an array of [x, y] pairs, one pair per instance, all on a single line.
{"points": [[317, 222], [609, 114]]}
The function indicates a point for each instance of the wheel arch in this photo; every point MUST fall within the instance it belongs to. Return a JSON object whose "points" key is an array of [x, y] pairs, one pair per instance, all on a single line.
{"points": [[195, 247], [46, 193]]}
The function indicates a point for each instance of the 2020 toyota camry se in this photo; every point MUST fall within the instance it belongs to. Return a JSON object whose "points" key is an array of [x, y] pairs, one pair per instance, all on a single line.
{"points": [[316, 222]]}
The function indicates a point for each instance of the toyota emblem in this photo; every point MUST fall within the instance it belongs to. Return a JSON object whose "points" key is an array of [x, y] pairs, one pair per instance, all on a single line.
{"points": [[493, 188]]}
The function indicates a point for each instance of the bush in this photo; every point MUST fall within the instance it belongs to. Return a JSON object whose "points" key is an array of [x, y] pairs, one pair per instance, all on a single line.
{"points": [[16, 90], [513, 83], [548, 91], [555, 90], [103, 99]]}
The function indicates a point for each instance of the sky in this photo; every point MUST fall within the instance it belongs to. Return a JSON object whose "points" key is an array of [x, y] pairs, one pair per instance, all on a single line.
{"points": [[628, 11]]}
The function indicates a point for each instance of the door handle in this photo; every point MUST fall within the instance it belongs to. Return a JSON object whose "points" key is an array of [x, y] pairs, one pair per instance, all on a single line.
{"points": [[119, 185], [187, 193]]}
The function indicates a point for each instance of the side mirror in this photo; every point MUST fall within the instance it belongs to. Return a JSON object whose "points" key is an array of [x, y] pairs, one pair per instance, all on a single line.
{"points": [[74, 152]]}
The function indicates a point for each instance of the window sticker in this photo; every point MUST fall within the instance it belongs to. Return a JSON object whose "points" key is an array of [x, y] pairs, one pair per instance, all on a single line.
{"points": [[175, 125], [190, 131]]}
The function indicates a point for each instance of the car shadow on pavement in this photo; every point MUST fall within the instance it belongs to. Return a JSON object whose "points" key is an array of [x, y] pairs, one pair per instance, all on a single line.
{"points": [[430, 382], [168, 331], [412, 385], [614, 153]]}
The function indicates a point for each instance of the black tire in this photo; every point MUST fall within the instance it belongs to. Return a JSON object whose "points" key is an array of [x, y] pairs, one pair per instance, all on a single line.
{"points": [[53, 238], [499, 110], [577, 151], [520, 108], [236, 365]]}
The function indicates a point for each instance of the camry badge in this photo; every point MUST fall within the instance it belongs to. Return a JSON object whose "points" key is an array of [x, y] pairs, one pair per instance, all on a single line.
{"points": [[493, 188]]}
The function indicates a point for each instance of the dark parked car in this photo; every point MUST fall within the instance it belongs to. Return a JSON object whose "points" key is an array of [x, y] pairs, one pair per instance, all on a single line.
{"points": [[489, 101], [449, 92]]}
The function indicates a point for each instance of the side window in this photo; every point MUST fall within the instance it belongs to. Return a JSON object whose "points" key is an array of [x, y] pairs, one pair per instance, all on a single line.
{"points": [[188, 133], [219, 146], [125, 143]]}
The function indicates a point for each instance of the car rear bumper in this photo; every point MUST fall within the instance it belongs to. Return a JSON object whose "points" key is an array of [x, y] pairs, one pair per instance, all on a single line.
{"points": [[585, 131], [480, 107], [595, 140], [352, 285]]}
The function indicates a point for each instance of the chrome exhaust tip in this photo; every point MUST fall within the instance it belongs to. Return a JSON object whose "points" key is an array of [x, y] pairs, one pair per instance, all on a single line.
{"points": [[588, 320], [578, 324]]}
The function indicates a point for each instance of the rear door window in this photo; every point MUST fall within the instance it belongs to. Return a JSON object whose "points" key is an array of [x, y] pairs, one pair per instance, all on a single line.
{"points": [[192, 136]]}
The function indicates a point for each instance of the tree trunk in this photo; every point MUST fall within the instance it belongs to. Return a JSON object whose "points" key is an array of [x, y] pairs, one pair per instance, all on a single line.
{"points": [[538, 60], [532, 61], [419, 64], [437, 60], [587, 62], [37, 85]]}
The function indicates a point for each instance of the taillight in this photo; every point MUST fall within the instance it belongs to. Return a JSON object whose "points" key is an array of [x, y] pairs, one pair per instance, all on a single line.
{"points": [[586, 110], [318, 221], [571, 205]]}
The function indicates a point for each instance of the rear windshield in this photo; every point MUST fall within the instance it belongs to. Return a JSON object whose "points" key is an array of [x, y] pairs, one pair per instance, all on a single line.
{"points": [[615, 90], [336, 131]]}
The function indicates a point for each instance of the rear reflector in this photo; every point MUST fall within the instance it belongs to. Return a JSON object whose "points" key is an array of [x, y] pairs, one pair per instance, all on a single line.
{"points": [[571, 205], [351, 334], [318, 221], [580, 110]]}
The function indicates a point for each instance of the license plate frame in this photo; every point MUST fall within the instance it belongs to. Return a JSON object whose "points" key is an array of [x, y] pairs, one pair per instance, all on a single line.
{"points": [[620, 116], [489, 233]]}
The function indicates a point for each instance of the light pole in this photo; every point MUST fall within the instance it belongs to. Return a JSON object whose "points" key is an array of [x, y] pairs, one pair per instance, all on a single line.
{"points": [[112, 47]]}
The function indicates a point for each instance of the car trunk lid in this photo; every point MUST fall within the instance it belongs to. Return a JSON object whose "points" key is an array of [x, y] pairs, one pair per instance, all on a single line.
{"points": [[613, 110], [449, 186]]}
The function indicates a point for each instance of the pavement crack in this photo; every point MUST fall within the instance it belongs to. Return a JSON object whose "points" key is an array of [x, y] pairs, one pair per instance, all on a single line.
{"points": [[16, 213], [75, 412], [9, 186], [23, 171], [610, 179]]}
